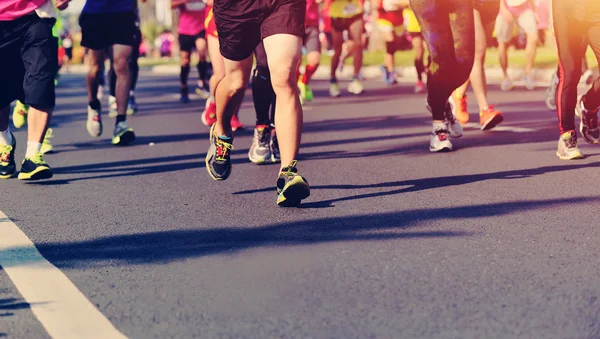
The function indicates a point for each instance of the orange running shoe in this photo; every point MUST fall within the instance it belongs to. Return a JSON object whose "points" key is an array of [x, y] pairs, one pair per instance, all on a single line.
{"points": [[459, 108], [489, 118]]}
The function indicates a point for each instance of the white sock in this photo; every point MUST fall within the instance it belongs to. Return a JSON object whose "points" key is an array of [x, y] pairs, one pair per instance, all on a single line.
{"points": [[437, 125], [6, 137], [33, 148]]}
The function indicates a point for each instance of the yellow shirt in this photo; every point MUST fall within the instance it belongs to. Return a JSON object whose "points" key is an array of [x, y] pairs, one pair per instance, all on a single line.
{"points": [[410, 20], [343, 9]]}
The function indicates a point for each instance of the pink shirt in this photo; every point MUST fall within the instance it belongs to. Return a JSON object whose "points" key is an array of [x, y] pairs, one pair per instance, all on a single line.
{"points": [[517, 10], [312, 13], [191, 18], [14, 9]]}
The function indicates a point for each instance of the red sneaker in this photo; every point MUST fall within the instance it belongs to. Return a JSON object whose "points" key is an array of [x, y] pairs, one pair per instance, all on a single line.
{"points": [[236, 124], [209, 116], [489, 118]]}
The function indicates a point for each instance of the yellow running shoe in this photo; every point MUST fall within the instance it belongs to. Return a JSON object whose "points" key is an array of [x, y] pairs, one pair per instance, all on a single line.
{"points": [[20, 114], [47, 144], [35, 168], [291, 187]]}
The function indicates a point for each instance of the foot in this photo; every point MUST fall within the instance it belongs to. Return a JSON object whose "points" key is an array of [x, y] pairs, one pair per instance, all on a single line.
{"points": [[35, 168], [355, 87], [112, 107], [202, 90], [588, 123], [334, 89], [123, 134], [567, 147], [8, 167], [236, 123], [439, 141], [274, 146], [47, 144], [218, 160], [489, 118], [131, 106], [260, 150], [209, 116], [530, 82], [420, 87], [458, 103], [291, 187], [506, 85], [20, 114], [94, 122], [184, 95], [306, 93]]}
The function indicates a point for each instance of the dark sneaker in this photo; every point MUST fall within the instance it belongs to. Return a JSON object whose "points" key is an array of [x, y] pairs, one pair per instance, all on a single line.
{"points": [[260, 150], [8, 167], [588, 123], [567, 147], [35, 168], [184, 98], [123, 134], [131, 106], [291, 187], [274, 145], [218, 160]]}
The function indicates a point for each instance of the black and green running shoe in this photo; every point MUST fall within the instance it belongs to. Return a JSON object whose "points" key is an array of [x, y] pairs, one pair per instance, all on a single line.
{"points": [[291, 187], [218, 159], [7, 160], [123, 134], [35, 168]]}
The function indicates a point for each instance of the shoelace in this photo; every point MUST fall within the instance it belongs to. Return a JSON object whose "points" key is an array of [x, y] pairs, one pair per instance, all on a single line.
{"points": [[448, 114], [223, 149], [5, 154], [37, 159], [571, 142]]}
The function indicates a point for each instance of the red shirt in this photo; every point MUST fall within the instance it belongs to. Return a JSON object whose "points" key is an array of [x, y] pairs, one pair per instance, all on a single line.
{"points": [[312, 13], [14, 9]]}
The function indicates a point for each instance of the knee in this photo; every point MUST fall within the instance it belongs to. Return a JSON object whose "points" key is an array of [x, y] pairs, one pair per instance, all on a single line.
{"points": [[284, 81], [185, 61], [121, 66], [532, 38], [235, 82], [95, 70]]}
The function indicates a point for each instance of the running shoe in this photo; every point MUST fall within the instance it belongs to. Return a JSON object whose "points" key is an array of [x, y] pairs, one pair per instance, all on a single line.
{"points": [[123, 134], [274, 146], [46, 143], [291, 187], [384, 73], [218, 160], [35, 168], [588, 123], [202, 89], [131, 105], [100, 92], [420, 87], [489, 118], [439, 141], [389, 78], [20, 114], [551, 93], [306, 93], [8, 167], [355, 87], [530, 82], [588, 77], [567, 147], [236, 123], [506, 85], [184, 96], [209, 116], [94, 122], [334, 89], [454, 127], [112, 107], [459, 108], [260, 150]]}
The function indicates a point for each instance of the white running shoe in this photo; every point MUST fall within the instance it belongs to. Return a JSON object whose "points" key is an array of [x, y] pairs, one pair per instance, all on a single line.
{"points": [[454, 127], [506, 85], [439, 141], [530, 82], [112, 107], [94, 122], [355, 87], [334, 90]]}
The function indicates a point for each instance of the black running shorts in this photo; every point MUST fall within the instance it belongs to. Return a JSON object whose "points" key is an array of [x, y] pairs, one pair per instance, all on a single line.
{"points": [[102, 30], [28, 61], [343, 24], [488, 10], [242, 24], [188, 42]]}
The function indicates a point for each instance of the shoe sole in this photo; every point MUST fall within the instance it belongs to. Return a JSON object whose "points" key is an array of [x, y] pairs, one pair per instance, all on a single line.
{"points": [[259, 161], [8, 176], [124, 139], [577, 157], [492, 122], [38, 174], [441, 150], [202, 94], [293, 193]]}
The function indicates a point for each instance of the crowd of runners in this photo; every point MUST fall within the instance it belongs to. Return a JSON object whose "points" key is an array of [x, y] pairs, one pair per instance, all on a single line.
{"points": [[263, 41]]}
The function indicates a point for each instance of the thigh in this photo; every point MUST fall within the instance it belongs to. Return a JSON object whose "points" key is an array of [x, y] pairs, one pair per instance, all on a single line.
{"points": [[283, 53], [284, 17], [528, 22], [355, 29], [504, 30], [238, 26], [434, 21], [215, 56], [594, 39], [463, 30]]}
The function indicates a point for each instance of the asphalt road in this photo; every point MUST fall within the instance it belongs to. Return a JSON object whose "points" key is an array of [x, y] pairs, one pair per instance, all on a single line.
{"points": [[498, 239]]}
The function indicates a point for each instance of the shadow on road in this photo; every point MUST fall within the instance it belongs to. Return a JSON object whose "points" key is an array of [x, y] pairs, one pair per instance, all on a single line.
{"points": [[171, 245], [9, 304]]}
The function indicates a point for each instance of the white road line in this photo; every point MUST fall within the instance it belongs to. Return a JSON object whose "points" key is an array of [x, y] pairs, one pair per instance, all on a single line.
{"points": [[501, 128], [59, 306]]}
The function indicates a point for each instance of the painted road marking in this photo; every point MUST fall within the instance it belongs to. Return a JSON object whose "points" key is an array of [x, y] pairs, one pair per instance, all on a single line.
{"points": [[58, 304], [501, 128]]}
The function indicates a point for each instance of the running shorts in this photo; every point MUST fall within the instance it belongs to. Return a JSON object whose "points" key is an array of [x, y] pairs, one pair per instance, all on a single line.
{"points": [[102, 30], [391, 21], [209, 23], [343, 24], [28, 61], [243, 24], [188, 42], [488, 10], [312, 43], [412, 25], [527, 21]]}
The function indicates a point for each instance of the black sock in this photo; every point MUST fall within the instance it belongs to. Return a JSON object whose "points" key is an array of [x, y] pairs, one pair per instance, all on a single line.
{"points": [[420, 67], [95, 105], [262, 92], [120, 118], [202, 67], [183, 76]]}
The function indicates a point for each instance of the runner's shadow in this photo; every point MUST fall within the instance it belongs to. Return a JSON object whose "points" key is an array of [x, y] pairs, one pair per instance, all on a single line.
{"points": [[12, 304]]}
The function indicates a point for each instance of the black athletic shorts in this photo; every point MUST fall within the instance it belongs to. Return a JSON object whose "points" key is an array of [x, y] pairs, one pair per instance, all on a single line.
{"points": [[242, 24], [343, 24], [488, 10], [102, 30], [188, 42], [28, 61], [312, 43]]}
